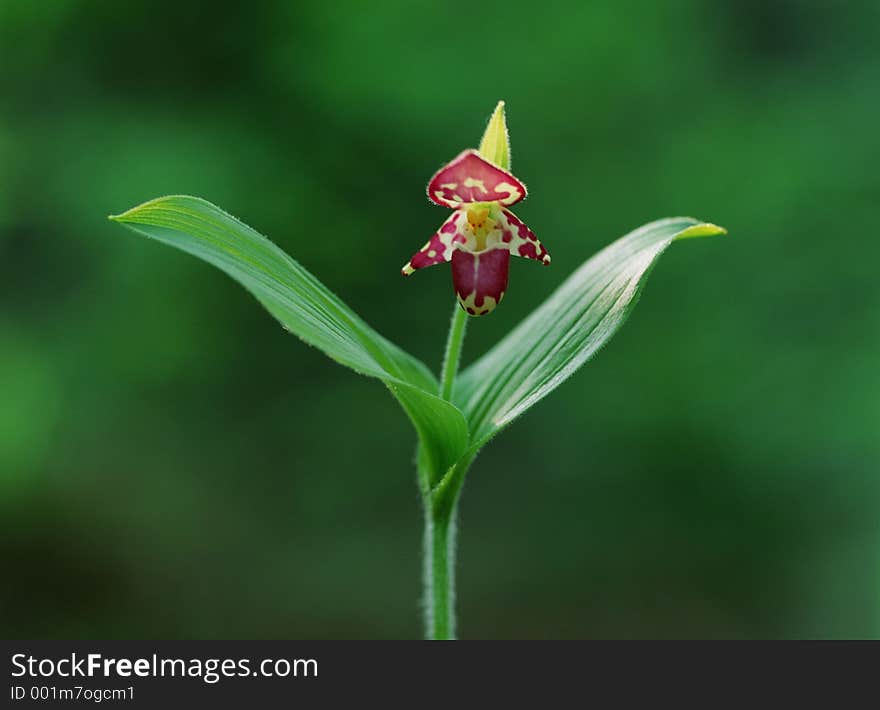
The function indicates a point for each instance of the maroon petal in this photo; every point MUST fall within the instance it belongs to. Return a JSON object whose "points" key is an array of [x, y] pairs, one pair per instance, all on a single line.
{"points": [[480, 279], [520, 240], [469, 178], [438, 248]]}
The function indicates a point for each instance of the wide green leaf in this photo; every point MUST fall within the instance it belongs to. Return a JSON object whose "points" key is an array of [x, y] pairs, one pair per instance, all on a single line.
{"points": [[566, 330], [308, 309]]}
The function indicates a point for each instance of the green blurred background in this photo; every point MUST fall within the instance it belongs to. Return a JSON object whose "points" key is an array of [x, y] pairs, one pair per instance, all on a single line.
{"points": [[173, 464]]}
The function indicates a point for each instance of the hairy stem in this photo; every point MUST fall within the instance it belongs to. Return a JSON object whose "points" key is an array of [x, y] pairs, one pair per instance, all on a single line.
{"points": [[440, 505], [453, 352], [439, 572]]}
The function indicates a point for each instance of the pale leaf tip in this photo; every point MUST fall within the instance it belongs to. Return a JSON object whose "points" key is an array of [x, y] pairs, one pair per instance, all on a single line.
{"points": [[122, 217], [703, 229], [126, 216], [134, 214]]}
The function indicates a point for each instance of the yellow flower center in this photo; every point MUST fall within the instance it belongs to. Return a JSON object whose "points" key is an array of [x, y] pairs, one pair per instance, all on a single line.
{"points": [[481, 223]]}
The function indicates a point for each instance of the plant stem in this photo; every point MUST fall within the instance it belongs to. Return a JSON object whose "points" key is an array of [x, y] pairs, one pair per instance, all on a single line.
{"points": [[441, 502], [441, 505], [439, 572], [453, 351]]}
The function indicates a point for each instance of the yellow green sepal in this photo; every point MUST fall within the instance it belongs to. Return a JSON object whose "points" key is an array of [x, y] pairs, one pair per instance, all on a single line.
{"points": [[495, 145]]}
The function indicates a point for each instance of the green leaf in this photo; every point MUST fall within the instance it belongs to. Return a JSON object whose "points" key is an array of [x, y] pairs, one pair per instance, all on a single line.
{"points": [[308, 309], [566, 330]]}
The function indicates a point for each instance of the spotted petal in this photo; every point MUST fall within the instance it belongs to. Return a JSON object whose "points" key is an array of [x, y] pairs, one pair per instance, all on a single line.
{"points": [[480, 279], [472, 178], [438, 249], [520, 240]]}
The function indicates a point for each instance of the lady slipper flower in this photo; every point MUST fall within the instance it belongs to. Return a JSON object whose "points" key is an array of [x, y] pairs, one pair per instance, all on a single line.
{"points": [[482, 233]]}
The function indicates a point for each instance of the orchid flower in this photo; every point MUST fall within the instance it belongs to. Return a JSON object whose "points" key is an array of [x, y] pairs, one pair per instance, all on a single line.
{"points": [[481, 233]]}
